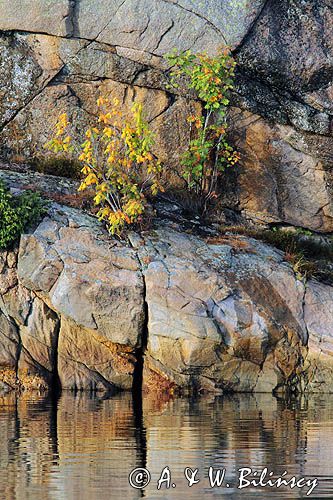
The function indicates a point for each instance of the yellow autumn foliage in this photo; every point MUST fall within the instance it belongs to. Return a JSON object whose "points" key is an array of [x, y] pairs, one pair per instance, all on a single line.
{"points": [[117, 161]]}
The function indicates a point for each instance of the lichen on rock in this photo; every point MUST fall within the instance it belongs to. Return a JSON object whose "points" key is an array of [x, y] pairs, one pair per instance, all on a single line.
{"points": [[59, 56], [219, 314], [85, 311]]}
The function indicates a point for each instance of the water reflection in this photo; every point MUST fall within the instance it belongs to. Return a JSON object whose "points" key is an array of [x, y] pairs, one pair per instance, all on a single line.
{"points": [[83, 447]]}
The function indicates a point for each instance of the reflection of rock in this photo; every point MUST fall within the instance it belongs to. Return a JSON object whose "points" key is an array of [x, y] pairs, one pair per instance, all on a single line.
{"points": [[228, 429], [28, 446], [83, 446], [97, 431]]}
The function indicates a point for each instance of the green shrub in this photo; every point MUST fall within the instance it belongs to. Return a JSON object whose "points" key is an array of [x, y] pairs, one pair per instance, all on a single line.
{"points": [[208, 152], [17, 213]]}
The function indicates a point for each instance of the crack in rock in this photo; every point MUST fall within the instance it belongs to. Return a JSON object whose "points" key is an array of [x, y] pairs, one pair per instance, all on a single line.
{"points": [[72, 19]]}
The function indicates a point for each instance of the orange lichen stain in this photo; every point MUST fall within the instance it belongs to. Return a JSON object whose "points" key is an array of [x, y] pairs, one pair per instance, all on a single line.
{"points": [[157, 383], [237, 243]]}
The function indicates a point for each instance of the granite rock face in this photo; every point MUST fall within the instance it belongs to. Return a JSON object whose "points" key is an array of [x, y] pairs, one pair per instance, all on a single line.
{"points": [[84, 276], [147, 26], [39, 344], [318, 313], [72, 308], [60, 55], [286, 174], [86, 50], [285, 68], [9, 345], [46, 16], [281, 52], [225, 313], [218, 317]]}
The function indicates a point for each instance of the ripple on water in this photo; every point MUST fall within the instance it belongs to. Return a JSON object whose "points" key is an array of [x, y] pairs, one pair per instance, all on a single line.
{"points": [[84, 447]]}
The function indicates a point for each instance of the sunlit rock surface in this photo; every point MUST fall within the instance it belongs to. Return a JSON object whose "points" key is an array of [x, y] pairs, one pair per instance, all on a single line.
{"points": [[78, 301], [58, 56], [217, 314]]}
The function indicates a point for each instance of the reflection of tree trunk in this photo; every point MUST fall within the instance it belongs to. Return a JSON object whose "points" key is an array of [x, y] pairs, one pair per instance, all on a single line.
{"points": [[54, 425], [140, 432]]}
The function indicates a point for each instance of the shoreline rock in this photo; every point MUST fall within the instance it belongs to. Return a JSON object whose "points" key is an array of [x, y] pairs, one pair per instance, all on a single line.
{"points": [[223, 314]]}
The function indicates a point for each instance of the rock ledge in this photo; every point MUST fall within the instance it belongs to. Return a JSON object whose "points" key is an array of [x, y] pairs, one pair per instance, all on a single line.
{"points": [[220, 314]]}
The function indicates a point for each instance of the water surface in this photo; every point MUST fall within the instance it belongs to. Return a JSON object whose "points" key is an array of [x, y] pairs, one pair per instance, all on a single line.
{"points": [[84, 447]]}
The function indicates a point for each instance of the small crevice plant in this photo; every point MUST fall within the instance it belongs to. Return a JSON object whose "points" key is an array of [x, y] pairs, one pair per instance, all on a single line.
{"points": [[209, 152], [17, 213], [117, 162]]}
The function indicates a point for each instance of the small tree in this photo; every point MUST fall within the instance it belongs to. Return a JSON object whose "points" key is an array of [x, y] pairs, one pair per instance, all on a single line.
{"points": [[209, 151], [116, 162]]}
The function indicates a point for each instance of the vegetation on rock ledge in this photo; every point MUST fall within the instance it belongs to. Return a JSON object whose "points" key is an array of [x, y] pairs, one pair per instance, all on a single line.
{"points": [[209, 151], [58, 166], [17, 213], [309, 255], [116, 154], [116, 162]]}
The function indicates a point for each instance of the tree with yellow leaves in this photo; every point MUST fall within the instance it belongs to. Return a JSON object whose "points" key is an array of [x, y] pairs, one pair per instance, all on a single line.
{"points": [[116, 161]]}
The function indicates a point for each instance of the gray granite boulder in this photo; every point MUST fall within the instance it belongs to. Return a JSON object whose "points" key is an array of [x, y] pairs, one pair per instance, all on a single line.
{"points": [[199, 314]]}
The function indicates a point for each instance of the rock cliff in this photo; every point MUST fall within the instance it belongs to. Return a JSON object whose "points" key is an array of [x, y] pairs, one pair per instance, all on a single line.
{"points": [[60, 54], [169, 310]]}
